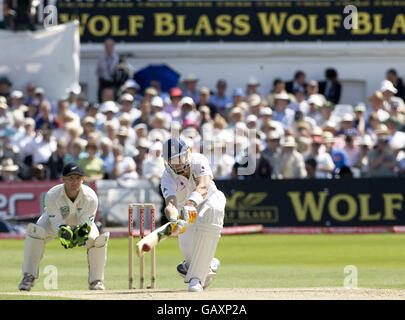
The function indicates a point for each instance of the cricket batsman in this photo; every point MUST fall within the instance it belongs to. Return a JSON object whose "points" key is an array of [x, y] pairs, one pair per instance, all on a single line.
{"points": [[70, 210], [196, 208]]}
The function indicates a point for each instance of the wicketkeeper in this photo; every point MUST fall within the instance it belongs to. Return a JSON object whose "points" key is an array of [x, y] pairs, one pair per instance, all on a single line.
{"points": [[70, 210], [187, 185]]}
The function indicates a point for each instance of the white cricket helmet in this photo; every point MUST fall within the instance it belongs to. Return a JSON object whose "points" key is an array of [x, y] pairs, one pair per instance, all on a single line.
{"points": [[176, 155]]}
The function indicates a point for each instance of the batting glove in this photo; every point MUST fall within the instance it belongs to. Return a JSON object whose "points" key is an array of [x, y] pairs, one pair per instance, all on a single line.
{"points": [[188, 214], [178, 226]]}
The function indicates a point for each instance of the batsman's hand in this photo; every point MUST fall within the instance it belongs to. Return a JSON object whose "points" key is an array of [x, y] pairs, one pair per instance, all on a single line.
{"points": [[188, 214], [81, 234], [66, 236], [178, 226]]}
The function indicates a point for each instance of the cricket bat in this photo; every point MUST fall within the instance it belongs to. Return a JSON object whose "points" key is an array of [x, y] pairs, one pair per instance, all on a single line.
{"points": [[153, 238]]}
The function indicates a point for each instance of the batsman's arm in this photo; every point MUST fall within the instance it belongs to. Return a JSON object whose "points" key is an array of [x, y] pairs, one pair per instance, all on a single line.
{"points": [[171, 211], [200, 192]]}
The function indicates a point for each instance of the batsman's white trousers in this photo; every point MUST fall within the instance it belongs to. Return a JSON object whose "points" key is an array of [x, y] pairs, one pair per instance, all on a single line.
{"points": [[42, 232], [198, 243]]}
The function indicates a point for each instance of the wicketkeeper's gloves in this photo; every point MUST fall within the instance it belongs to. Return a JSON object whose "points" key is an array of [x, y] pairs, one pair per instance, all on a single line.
{"points": [[81, 234], [66, 236]]}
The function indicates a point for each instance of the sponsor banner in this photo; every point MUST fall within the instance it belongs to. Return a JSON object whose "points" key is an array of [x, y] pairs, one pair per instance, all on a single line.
{"points": [[26, 198], [230, 21], [315, 203], [331, 230]]}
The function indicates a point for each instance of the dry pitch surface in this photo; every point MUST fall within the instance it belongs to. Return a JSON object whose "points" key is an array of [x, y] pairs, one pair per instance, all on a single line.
{"points": [[228, 294]]}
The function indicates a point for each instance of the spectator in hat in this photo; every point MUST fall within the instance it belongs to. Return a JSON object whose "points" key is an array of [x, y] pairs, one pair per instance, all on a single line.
{"points": [[252, 86], [315, 103], [128, 148], [392, 75], [9, 171], [220, 99], [106, 66], [190, 86], [325, 164], [282, 113], [173, 108], [204, 100], [389, 91], [56, 162], [150, 93], [89, 127], [29, 133], [278, 87], [381, 159], [143, 145], [17, 106], [206, 123], [298, 83], [235, 116], [92, 165], [347, 125], [132, 87], [339, 156], [5, 86], [109, 109], [326, 110], [270, 152], [376, 101], [157, 107], [289, 162], [153, 166], [312, 89], [127, 106], [360, 161], [255, 104], [359, 117], [188, 109], [331, 87], [145, 108], [124, 167]]}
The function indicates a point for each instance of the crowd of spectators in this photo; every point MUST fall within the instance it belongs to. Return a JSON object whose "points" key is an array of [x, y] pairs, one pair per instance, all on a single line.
{"points": [[300, 130]]}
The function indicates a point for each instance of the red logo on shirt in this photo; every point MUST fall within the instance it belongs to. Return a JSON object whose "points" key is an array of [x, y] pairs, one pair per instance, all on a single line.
{"points": [[202, 167]]}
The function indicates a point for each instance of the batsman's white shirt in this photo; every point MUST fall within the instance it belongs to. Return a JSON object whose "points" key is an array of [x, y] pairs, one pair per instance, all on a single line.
{"points": [[61, 210], [181, 187]]}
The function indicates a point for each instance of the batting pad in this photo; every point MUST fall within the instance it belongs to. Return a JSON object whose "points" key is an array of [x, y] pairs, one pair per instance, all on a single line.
{"points": [[33, 249], [97, 257], [204, 244]]}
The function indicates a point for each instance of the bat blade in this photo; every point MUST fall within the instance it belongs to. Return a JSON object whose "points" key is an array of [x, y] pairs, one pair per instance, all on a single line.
{"points": [[152, 239]]}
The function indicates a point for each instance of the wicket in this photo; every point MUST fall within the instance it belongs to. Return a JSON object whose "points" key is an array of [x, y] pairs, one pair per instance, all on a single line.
{"points": [[131, 235]]}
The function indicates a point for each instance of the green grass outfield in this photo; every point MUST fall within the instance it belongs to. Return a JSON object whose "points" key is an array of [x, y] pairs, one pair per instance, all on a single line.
{"points": [[248, 261]]}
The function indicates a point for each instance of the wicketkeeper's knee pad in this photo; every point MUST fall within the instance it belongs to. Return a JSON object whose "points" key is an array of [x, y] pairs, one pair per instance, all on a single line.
{"points": [[33, 249], [97, 257], [35, 231]]}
